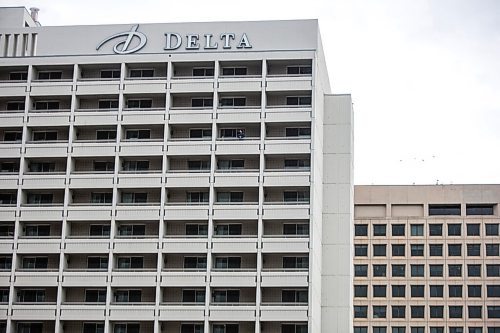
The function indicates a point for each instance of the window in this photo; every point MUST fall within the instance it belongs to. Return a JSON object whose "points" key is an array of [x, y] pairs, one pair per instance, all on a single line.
{"points": [[417, 311], [139, 103], [379, 329], [133, 197], [398, 291], [454, 270], [417, 270], [227, 262], [398, 329], [93, 327], [473, 270], [130, 262], [35, 262], [437, 329], [360, 291], [490, 330], [398, 229], [108, 104], [106, 135], [454, 229], [436, 311], [100, 263], [455, 311], [32, 296], [135, 165], [398, 270], [29, 328], [42, 167], [127, 296], [110, 74], [232, 133], [417, 290], [200, 133], [229, 196], [417, 229], [95, 295], [9, 167], [435, 250], [474, 290], [198, 165], [297, 131], [360, 270], [473, 250], [436, 290], [493, 290], [6, 230], [8, 198], [142, 73], [492, 249], [299, 70], [493, 311], [297, 164], [454, 291], [99, 230], [15, 106], [293, 328], [131, 230], [127, 328], [227, 229], [379, 230], [492, 270], [4, 295], [191, 328], [234, 71], [5, 263], [360, 230], [296, 196], [101, 197], [46, 105], [143, 134], [418, 330], [35, 230], [379, 270], [398, 311], [230, 164], [491, 229], [360, 311], [398, 250], [298, 229], [360, 329], [294, 296], [479, 209], [45, 136], [232, 101], [199, 71], [379, 250], [202, 102], [18, 76], [50, 75], [379, 291], [444, 210], [104, 166], [195, 262], [475, 311], [417, 250], [435, 229], [13, 136], [234, 328], [477, 330], [196, 229], [473, 229], [360, 250], [456, 330], [454, 250], [296, 262], [298, 100]]}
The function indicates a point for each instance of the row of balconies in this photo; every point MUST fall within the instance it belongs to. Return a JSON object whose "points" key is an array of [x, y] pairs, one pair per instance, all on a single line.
{"points": [[157, 71], [435, 250], [170, 321], [150, 229], [109, 101]]}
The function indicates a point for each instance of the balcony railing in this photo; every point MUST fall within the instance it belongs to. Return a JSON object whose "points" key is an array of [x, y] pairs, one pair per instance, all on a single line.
{"points": [[97, 110], [232, 303], [49, 110], [161, 108], [284, 304]]}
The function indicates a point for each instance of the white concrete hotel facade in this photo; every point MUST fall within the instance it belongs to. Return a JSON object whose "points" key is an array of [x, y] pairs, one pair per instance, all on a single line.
{"points": [[187, 177]]}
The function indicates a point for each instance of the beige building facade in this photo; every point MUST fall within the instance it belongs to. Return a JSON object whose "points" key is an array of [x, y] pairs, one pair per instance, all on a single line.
{"points": [[159, 178], [426, 259]]}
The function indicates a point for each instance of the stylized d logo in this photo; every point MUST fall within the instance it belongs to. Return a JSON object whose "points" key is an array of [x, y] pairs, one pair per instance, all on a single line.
{"points": [[125, 44]]}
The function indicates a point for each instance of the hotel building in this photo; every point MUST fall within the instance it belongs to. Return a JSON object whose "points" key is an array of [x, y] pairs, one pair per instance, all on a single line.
{"points": [[185, 177], [427, 259]]}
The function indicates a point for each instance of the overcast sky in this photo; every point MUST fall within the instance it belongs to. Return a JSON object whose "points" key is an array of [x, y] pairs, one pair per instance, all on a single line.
{"points": [[424, 74]]}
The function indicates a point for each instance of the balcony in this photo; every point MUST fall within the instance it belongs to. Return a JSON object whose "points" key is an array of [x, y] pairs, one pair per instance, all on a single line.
{"points": [[192, 77], [187, 204], [84, 312], [13, 80], [137, 75], [182, 312], [46, 142], [84, 277], [144, 108], [185, 245], [36, 277], [52, 80], [100, 78], [32, 311], [11, 109], [132, 311], [284, 278], [243, 312], [39, 245], [284, 304]]}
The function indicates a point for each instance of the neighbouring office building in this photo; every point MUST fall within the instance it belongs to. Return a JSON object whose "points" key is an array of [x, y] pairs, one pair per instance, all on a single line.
{"points": [[187, 178], [427, 259]]}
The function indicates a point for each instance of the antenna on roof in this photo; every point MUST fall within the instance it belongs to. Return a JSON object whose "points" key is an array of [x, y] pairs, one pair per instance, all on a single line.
{"points": [[34, 13]]}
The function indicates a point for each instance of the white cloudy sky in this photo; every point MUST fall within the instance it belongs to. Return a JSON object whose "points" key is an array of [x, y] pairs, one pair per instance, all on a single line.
{"points": [[424, 74]]}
